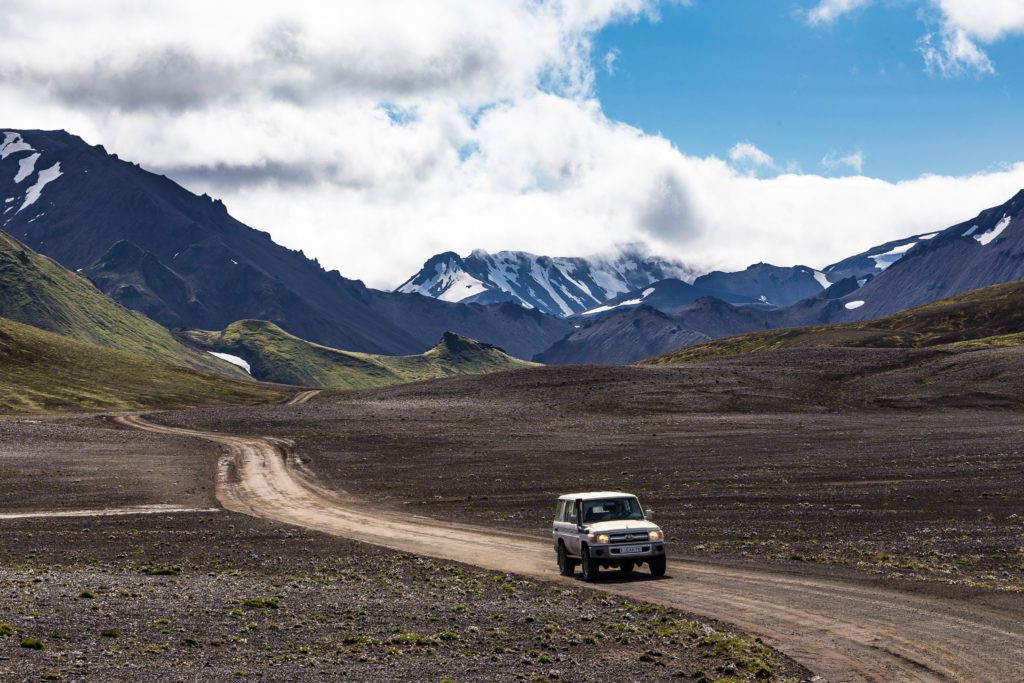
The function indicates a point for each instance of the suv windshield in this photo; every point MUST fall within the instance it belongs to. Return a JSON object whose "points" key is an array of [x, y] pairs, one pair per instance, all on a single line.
{"points": [[611, 509]]}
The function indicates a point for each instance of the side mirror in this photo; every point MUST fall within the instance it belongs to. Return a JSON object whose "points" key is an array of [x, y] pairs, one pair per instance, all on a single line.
{"points": [[648, 513]]}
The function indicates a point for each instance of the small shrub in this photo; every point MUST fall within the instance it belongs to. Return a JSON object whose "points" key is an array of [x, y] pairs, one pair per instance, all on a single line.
{"points": [[33, 644], [262, 603], [161, 571], [110, 633], [87, 595], [6, 629], [760, 669], [51, 676]]}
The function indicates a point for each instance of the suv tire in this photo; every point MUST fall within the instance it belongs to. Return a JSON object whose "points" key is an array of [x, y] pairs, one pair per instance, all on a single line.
{"points": [[657, 565], [590, 567], [566, 566], [626, 567]]}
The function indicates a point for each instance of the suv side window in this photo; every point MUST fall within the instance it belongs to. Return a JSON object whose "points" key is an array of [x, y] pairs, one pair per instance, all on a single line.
{"points": [[560, 511], [572, 508]]}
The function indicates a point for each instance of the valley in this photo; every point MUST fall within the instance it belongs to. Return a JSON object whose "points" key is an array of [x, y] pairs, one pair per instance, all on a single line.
{"points": [[303, 439], [522, 341]]}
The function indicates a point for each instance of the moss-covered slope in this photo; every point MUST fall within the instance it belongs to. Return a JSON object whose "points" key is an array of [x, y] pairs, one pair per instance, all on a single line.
{"points": [[45, 372], [36, 291], [277, 356]]}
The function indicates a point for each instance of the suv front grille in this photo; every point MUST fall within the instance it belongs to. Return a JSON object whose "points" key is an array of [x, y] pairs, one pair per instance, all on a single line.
{"points": [[630, 537]]}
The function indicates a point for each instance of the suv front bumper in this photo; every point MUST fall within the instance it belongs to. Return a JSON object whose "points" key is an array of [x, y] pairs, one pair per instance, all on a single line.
{"points": [[613, 552]]}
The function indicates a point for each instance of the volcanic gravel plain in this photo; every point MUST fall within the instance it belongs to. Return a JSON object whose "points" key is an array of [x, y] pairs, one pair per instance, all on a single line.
{"points": [[101, 580], [863, 461], [871, 466]]}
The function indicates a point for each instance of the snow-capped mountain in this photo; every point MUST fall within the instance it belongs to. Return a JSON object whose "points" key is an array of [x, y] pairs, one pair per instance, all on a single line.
{"points": [[558, 286]]}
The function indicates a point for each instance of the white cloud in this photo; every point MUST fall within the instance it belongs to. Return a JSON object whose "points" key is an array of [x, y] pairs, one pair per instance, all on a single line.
{"points": [[375, 135], [609, 60], [988, 20], [746, 153], [827, 11], [833, 161], [951, 49], [953, 53]]}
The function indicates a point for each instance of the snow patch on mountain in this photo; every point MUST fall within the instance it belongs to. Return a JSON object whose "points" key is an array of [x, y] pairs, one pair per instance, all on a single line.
{"points": [[44, 178], [987, 237], [12, 143], [632, 302], [234, 360], [878, 259], [883, 261], [26, 167], [822, 279], [461, 286]]}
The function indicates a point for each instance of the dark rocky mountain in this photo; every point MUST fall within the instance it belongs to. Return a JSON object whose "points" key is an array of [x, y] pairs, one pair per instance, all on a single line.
{"points": [[986, 250], [621, 336], [875, 260], [625, 334], [668, 296], [776, 286], [557, 286], [185, 262]]}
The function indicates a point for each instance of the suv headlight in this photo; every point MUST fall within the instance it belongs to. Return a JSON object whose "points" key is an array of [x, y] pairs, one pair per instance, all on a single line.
{"points": [[657, 535], [598, 538]]}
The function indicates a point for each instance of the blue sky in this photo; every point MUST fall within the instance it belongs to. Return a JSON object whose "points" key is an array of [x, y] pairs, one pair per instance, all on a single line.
{"points": [[718, 72], [375, 135]]}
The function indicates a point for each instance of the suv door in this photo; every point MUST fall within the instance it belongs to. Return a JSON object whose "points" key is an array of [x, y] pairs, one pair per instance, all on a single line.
{"points": [[558, 526], [572, 537]]}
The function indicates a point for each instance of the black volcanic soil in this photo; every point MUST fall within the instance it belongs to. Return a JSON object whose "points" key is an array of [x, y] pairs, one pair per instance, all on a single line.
{"points": [[219, 596], [872, 461], [85, 463]]}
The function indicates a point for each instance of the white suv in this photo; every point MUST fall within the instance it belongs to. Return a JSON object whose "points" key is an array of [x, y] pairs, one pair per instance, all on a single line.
{"points": [[605, 529]]}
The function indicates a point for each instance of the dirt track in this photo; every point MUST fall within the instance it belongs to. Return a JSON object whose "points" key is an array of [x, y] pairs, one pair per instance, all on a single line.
{"points": [[844, 630]]}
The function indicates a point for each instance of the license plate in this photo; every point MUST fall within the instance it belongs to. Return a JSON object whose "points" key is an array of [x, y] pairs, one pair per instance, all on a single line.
{"points": [[631, 549]]}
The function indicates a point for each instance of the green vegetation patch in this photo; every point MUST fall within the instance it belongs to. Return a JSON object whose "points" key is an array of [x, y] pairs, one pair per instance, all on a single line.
{"points": [[37, 291], [277, 356], [45, 372]]}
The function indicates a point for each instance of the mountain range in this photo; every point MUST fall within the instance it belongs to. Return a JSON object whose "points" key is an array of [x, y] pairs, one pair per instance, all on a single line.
{"points": [[183, 261], [986, 250]]}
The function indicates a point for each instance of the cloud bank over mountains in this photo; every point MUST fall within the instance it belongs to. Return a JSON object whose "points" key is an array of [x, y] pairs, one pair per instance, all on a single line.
{"points": [[373, 136]]}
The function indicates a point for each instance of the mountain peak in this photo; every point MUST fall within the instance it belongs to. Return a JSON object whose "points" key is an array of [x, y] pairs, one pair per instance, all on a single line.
{"points": [[560, 286]]}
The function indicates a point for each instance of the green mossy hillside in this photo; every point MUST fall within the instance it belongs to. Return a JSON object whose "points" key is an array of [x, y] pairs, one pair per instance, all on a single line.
{"points": [[276, 356], [36, 291], [45, 372]]}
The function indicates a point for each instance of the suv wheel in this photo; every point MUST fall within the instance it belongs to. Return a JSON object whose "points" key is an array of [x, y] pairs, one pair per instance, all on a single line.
{"points": [[657, 565], [590, 567], [626, 567], [566, 567]]}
